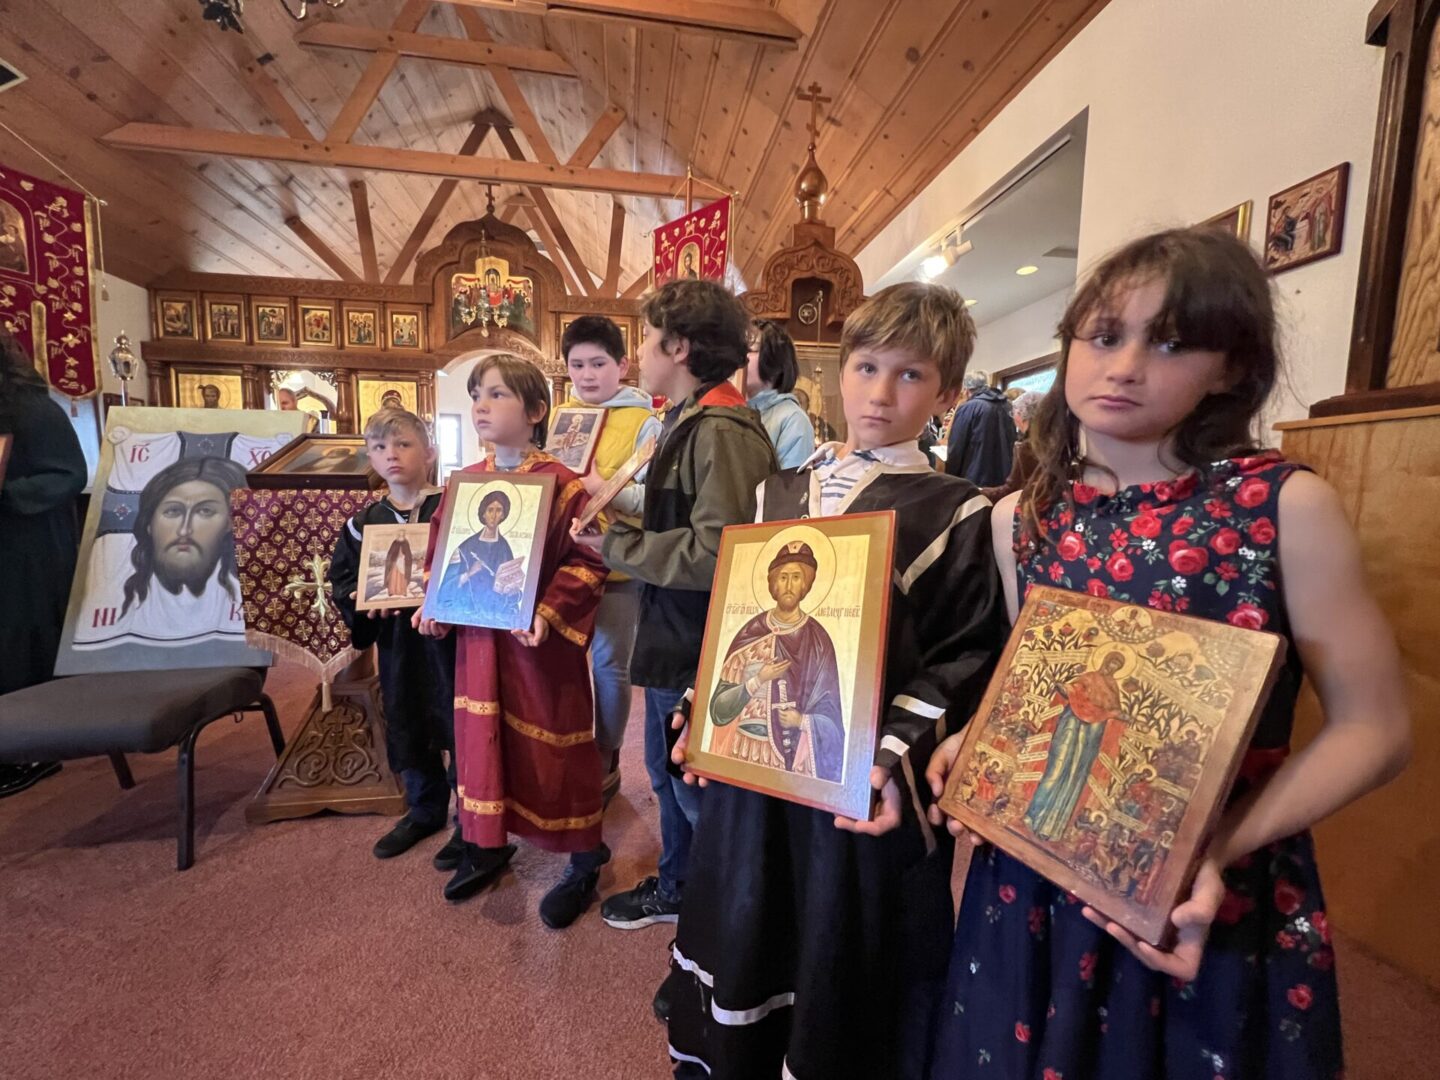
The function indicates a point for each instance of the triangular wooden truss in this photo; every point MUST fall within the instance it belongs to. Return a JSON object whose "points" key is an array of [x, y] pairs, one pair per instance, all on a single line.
{"points": [[336, 149]]}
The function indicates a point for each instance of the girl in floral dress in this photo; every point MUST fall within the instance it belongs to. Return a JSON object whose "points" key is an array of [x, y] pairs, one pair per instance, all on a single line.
{"points": [[1150, 490]]}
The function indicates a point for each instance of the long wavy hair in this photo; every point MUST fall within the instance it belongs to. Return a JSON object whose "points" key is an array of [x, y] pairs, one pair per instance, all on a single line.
{"points": [[223, 474], [1217, 298]]}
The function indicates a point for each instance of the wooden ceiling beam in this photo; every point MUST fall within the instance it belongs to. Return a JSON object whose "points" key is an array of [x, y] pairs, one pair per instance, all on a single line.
{"points": [[275, 102], [611, 285], [168, 139], [552, 248], [364, 230], [446, 50], [590, 147], [434, 209], [545, 210], [520, 112], [712, 17], [322, 250], [374, 77], [636, 287]]}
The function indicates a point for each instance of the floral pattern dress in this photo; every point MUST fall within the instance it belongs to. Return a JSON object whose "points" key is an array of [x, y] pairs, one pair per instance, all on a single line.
{"points": [[1034, 989]]}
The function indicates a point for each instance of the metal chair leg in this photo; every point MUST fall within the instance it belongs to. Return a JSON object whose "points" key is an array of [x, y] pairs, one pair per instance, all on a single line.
{"points": [[185, 833], [272, 722], [122, 771]]}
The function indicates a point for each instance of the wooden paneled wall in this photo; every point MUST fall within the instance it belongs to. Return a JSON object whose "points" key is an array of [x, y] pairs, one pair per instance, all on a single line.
{"points": [[1380, 857]]}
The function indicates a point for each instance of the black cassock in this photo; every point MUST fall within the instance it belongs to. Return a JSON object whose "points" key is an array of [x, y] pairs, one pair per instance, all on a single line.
{"points": [[39, 534], [417, 674], [806, 948]]}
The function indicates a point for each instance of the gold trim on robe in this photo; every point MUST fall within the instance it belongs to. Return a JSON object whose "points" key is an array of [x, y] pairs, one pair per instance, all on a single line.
{"points": [[575, 738]]}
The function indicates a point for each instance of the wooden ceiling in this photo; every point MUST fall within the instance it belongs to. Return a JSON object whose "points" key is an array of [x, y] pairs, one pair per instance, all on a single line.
{"points": [[912, 81]]}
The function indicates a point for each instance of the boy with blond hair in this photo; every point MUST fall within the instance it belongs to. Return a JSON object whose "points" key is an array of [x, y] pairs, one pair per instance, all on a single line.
{"points": [[417, 674], [812, 945]]}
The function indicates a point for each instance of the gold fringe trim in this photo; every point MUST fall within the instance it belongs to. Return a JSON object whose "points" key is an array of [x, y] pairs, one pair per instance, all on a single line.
{"points": [[478, 708], [298, 654], [570, 491], [539, 734], [481, 806], [585, 574], [560, 626]]}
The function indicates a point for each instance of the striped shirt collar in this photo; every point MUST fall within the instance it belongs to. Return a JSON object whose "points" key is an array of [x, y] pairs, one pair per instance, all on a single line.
{"points": [[896, 455]]}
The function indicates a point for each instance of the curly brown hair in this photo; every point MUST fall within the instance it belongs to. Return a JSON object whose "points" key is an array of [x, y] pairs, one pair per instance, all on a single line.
{"points": [[1217, 298], [710, 318]]}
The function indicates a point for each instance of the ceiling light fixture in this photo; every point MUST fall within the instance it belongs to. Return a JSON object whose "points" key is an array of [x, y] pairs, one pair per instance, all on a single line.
{"points": [[933, 267], [1026, 271], [971, 302], [951, 248], [228, 13]]}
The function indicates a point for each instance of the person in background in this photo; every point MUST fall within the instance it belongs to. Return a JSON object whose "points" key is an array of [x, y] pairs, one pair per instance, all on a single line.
{"points": [[770, 374], [39, 535], [1023, 461], [982, 435]]}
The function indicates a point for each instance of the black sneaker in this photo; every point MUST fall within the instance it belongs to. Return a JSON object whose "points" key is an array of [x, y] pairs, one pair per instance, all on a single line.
{"points": [[405, 835], [479, 867], [448, 857], [641, 906], [660, 1004], [16, 778], [572, 894]]}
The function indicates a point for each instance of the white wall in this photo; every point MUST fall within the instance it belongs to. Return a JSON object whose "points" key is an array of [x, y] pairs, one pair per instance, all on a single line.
{"points": [[128, 309], [1021, 336], [1194, 107]]}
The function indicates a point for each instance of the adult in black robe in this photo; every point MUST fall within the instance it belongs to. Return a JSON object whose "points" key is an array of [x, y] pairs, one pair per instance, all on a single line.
{"points": [[39, 533]]}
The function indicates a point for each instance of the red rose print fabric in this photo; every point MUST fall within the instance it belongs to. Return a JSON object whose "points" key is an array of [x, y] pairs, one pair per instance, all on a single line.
{"points": [[1034, 989]]}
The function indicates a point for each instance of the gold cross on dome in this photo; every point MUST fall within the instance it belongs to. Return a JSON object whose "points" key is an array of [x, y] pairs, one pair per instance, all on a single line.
{"points": [[812, 94], [318, 567]]}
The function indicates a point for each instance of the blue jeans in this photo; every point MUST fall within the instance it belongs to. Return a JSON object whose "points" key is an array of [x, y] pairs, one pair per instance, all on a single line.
{"points": [[679, 802], [427, 790], [610, 649]]}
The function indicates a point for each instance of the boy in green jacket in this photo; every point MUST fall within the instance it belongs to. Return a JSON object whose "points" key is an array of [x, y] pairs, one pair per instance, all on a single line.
{"points": [[712, 454]]}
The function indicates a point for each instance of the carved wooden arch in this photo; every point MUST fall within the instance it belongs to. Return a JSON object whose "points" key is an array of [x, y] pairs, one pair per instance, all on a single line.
{"points": [[811, 259], [498, 340], [459, 250]]}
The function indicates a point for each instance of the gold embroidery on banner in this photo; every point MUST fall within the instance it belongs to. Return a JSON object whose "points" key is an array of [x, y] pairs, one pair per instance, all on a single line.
{"points": [[479, 708], [548, 737], [585, 574], [560, 626]]}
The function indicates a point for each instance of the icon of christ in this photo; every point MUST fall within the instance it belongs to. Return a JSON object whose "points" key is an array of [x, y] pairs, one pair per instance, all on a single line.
{"points": [[777, 702]]}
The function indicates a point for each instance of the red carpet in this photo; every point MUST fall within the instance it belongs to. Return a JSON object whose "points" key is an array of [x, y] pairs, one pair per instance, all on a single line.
{"points": [[289, 951]]}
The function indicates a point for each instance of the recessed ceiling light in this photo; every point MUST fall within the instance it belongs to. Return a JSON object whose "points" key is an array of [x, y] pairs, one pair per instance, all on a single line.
{"points": [[1026, 271], [971, 302], [934, 266]]}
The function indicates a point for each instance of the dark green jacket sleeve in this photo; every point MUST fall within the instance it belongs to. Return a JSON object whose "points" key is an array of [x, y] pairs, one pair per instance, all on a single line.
{"points": [[47, 466], [729, 461]]}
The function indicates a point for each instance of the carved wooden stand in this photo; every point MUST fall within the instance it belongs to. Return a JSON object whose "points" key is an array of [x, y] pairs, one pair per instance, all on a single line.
{"points": [[336, 761]]}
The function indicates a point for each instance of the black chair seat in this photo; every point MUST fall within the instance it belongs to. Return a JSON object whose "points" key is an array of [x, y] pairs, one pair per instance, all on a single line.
{"points": [[135, 712], [132, 712]]}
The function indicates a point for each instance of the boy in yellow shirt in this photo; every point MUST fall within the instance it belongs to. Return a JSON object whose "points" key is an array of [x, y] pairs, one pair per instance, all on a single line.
{"points": [[594, 352]]}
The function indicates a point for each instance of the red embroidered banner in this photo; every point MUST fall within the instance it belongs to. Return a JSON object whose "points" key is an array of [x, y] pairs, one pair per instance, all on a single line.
{"points": [[694, 246], [45, 279], [283, 543]]}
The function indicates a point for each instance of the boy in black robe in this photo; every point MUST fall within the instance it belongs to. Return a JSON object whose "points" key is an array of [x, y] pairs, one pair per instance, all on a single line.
{"points": [[811, 945], [417, 674]]}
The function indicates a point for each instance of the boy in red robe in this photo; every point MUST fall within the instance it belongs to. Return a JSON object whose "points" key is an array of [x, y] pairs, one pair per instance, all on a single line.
{"points": [[524, 715]]}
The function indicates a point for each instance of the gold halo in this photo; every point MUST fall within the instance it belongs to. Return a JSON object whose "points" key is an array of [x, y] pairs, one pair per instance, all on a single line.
{"points": [[824, 573], [481, 492], [1132, 659]]}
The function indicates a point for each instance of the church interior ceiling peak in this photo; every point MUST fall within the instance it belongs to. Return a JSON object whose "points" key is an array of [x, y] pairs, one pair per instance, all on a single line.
{"points": [[581, 116]]}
